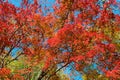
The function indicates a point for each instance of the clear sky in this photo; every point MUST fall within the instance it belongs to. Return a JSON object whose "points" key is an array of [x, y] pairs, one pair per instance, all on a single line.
{"points": [[15, 2]]}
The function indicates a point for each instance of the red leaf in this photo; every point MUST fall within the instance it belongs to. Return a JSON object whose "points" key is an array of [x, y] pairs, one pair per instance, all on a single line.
{"points": [[77, 58], [54, 41]]}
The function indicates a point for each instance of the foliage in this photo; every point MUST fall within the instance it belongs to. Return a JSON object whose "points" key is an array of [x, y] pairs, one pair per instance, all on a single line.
{"points": [[77, 31]]}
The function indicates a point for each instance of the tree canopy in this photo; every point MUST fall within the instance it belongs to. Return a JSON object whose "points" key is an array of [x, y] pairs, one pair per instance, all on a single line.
{"points": [[38, 44]]}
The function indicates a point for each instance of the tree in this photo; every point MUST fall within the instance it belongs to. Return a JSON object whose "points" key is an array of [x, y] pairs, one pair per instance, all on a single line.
{"points": [[77, 33]]}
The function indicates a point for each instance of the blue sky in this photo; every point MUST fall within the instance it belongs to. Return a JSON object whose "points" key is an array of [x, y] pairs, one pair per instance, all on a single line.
{"points": [[48, 5], [69, 70], [15, 2]]}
